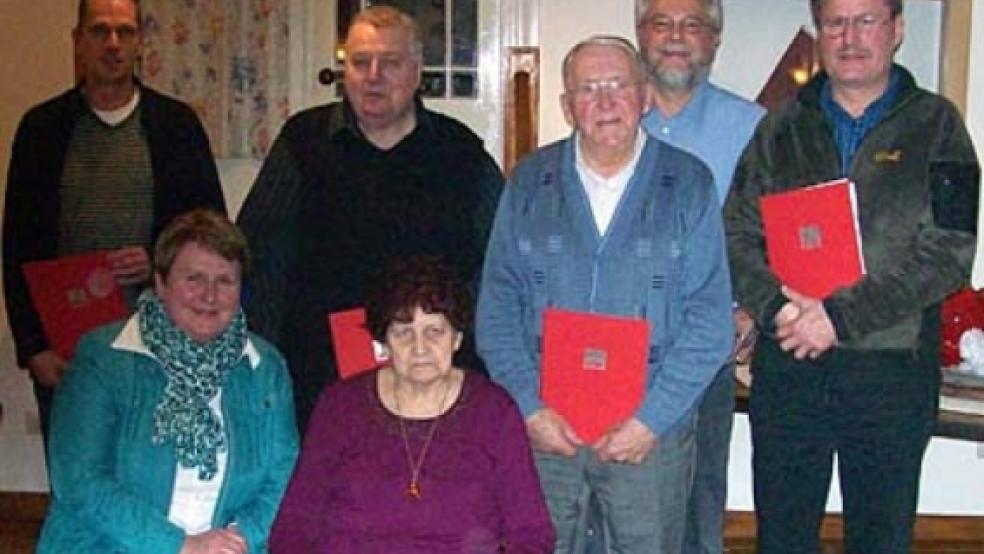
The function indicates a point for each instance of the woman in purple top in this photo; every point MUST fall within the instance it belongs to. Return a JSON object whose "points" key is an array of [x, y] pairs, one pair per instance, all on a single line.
{"points": [[419, 456]]}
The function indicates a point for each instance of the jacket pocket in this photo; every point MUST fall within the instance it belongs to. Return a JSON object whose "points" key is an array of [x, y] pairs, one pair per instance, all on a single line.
{"points": [[954, 191]]}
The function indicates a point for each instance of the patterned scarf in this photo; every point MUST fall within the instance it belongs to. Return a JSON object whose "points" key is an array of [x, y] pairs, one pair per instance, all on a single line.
{"points": [[195, 373]]}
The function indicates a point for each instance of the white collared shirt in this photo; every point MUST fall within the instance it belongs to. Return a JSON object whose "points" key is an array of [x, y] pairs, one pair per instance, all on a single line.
{"points": [[604, 193]]}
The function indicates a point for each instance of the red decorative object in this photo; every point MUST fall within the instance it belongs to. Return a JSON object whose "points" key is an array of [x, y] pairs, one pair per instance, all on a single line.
{"points": [[961, 310]]}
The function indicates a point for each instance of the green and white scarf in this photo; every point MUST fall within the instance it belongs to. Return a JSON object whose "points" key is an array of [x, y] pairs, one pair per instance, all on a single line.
{"points": [[195, 374]]}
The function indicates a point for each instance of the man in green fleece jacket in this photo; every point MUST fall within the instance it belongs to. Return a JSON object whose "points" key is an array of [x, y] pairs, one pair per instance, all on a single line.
{"points": [[856, 373]]}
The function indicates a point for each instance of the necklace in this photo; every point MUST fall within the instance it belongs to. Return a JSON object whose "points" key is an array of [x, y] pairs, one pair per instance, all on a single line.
{"points": [[413, 488]]}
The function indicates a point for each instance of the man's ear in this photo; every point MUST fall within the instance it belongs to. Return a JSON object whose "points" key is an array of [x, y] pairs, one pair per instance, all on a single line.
{"points": [[565, 105]]}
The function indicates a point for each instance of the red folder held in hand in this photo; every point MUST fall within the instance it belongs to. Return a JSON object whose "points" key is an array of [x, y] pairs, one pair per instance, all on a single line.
{"points": [[73, 295], [593, 369], [355, 351], [812, 237]]}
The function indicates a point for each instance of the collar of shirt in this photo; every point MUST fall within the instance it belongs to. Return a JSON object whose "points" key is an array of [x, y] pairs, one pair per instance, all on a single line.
{"points": [[350, 123], [605, 192], [119, 115], [849, 131], [691, 115]]}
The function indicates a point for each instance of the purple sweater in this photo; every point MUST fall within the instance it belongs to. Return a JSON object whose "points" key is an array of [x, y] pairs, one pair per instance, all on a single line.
{"points": [[479, 488]]}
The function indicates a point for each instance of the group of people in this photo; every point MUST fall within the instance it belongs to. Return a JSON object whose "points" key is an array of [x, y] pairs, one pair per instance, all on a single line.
{"points": [[178, 429]]}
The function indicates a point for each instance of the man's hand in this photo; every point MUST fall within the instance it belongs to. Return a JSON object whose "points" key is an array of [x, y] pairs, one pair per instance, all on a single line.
{"points": [[216, 541], [47, 368], [550, 433], [628, 443], [745, 335], [803, 326], [130, 265]]}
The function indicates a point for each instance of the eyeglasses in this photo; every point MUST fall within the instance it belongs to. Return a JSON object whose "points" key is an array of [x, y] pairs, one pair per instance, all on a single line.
{"points": [[864, 24], [101, 32], [591, 91], [663, 25]]}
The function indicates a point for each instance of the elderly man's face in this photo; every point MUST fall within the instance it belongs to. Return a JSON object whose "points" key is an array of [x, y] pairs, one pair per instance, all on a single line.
{"points": [[107, 43], [381, 76], [857, 41], [604, 97], [677, 43]]}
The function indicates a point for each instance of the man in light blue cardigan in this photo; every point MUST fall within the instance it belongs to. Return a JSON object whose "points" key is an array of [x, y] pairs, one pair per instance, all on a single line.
{"points": [[611, 221]]}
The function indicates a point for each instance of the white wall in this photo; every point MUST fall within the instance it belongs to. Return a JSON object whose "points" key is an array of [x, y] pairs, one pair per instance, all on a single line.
{"points": [[975, 114]]}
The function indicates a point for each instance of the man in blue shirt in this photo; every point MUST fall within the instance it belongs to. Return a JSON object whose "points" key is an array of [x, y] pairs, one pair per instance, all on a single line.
{"points": [[678, 40]]}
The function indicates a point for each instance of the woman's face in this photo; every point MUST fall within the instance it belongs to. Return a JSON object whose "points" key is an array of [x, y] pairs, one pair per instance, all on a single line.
{"points": [[201, 292], [421, 350]]}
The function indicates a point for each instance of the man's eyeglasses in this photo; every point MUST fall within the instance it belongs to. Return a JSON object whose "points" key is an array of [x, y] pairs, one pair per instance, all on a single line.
{"points": [[663, 25], [834, 27], [101, 32], [590, 91]]}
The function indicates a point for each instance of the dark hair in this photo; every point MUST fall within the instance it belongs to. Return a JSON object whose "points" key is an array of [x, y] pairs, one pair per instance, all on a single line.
{"points": [[206, 228], [84, 12], [894, 9], [417, 282]]}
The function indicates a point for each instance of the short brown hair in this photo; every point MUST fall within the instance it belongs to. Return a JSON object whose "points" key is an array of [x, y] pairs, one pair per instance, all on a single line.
{"points": [[417, 282], [84, 12], [388, 17], [894, 9], [206, 228]]}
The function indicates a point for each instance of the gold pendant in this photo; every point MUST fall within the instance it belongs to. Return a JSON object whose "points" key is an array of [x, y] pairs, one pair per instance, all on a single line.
{"points": [[413, 491]]}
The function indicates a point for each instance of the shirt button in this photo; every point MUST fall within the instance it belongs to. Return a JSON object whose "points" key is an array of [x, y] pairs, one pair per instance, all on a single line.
{"points": [[666, 130]]}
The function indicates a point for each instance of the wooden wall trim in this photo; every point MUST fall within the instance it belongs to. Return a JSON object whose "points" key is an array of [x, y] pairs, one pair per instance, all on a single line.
{"points": [[955, 52], [522, 106], [960, 530]]}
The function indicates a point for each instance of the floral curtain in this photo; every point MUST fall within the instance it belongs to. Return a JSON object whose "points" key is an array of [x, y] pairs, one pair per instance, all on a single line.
{"points": [[228, 59]]}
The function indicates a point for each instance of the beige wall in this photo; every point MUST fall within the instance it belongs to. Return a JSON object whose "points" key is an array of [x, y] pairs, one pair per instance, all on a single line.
{"points": [[35, 59], [35, 63]]}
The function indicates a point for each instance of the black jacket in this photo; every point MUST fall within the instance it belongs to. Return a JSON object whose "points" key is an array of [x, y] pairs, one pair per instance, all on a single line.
{"points": [[185, 177]]}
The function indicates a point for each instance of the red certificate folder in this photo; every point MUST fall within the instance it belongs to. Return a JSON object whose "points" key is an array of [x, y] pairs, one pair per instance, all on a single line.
{"points": [[355, 351], [593, 369], [73, 295], [812, 237]]}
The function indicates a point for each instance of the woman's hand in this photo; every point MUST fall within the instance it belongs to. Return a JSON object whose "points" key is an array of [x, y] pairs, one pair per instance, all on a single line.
{"points": [[216, 541]]}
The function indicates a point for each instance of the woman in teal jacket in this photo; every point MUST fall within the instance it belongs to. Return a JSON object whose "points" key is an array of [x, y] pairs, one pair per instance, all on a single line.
{"points": [[174, 431]]}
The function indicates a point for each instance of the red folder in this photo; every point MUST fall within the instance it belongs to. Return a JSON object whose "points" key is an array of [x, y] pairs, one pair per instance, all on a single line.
{"points": [[355, 351], [812, 237], [593, 369], [73, 295]]}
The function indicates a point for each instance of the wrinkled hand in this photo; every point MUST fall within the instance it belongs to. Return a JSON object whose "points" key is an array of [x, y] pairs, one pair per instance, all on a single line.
{"points": [[803, 326], [216, 541], [628, 443], [130, 265], [745, 336], [47, 368], [550, 433]]}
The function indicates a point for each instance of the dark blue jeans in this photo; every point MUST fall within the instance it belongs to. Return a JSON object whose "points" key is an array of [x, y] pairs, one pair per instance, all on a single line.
{"points": [[709, 495], [874, 410]]}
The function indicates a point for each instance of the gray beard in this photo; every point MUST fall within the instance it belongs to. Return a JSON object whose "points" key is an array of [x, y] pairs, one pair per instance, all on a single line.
{"points": [[680, 80]]}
